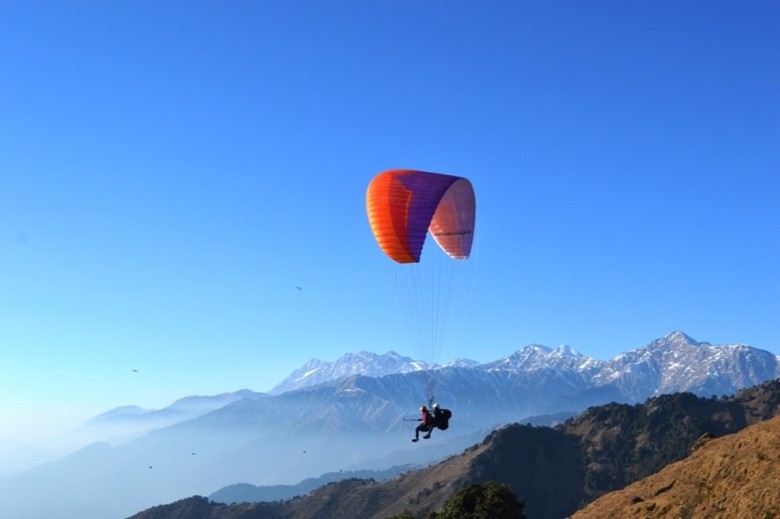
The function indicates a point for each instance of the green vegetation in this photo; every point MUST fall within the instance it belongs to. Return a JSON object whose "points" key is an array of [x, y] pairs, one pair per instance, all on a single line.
{"points": [[490, 500]]}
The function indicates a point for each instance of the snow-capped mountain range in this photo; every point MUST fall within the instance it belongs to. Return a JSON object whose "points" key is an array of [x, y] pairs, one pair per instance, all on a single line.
{"points": [[670, 364]]}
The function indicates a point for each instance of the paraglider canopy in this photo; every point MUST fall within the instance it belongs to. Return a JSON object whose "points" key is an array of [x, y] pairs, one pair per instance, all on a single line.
{"points": [[403, 205]]}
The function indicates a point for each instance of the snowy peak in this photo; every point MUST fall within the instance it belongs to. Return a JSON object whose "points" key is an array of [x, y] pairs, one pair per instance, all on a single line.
{"points": [[564, 350], [462, 363], [363, 363], [529, 354], [677, 362], [675, 339], [536, 357]]}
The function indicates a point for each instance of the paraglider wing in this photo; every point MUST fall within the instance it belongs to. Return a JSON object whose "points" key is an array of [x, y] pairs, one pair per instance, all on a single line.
{"points": [[452, 225], [403, 205]]}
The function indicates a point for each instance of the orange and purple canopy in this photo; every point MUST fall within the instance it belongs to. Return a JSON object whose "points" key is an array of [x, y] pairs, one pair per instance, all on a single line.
{"points": [[403, 205]]}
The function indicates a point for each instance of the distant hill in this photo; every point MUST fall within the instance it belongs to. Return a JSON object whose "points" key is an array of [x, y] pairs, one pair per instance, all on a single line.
{"points": [[243, 492], [554, 470]]}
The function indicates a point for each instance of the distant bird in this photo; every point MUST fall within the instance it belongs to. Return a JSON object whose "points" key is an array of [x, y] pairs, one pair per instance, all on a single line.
{"points": [[299, 288], [192, 453], [150, 466], [135, 371], [304, 452]]}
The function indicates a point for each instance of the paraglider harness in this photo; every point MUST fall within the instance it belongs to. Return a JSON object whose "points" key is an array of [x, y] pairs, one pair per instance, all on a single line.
{"points": [[441, 418]]}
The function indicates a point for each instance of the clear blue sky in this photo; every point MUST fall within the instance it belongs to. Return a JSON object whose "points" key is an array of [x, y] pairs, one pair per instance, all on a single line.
{"points": [[170, 171]]}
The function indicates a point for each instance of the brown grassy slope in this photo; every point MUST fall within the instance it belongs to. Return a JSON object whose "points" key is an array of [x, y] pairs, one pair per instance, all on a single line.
{"points": [[735, 476], [423, 491]]}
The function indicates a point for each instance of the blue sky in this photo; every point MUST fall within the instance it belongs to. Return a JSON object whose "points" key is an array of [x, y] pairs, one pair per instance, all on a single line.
{"points": [[170, 172]]}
